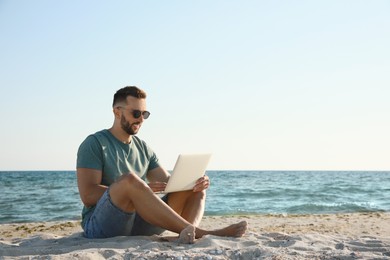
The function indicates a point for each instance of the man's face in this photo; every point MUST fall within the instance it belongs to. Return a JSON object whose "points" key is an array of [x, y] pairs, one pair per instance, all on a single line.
{"points": [[129, 123]]}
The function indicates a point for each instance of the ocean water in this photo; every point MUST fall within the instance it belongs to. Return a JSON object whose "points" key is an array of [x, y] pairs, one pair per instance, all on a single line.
{"points": [[31, 196]]}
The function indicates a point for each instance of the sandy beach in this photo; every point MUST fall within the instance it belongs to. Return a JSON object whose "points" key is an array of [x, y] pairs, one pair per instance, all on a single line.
{"points": [[330, 236]]}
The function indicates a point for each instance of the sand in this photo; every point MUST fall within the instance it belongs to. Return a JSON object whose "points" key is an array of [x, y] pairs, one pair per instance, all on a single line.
{"points": [[333, 236]]}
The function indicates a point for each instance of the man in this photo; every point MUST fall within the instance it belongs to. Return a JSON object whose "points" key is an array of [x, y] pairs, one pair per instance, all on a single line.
{"points": [[118, 175]]}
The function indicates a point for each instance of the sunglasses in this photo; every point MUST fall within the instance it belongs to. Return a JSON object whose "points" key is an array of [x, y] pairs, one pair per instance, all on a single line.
{"points": [[138, 113]]}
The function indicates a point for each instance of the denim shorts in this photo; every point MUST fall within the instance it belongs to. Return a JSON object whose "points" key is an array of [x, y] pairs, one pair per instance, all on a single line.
{"points": [[107, 220]]}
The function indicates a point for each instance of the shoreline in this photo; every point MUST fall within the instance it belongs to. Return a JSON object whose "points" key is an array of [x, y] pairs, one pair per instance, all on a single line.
{"points": [[35, 227], [233, 215], [364, 235]]}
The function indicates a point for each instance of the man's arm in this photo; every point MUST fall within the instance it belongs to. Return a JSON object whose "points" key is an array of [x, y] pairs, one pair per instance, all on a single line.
{"points": [[158, 178], [90, 189]]}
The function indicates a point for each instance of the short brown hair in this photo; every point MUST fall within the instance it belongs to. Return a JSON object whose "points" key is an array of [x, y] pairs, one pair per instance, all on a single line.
{"points": [[122, 94]]}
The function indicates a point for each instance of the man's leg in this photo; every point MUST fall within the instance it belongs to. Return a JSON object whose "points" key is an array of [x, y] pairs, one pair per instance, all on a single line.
{"points": [[189, 205], [144, 228], [133, 194]]}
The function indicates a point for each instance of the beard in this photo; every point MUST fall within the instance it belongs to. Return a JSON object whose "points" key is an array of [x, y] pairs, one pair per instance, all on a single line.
{"points": [[127, 127]]}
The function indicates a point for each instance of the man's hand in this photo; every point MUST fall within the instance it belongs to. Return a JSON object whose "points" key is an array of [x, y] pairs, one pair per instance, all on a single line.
{"points": [[157, 186], [202, 184]]}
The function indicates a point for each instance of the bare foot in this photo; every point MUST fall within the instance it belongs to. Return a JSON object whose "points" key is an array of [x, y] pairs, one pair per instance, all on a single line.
{"points": [[235, 230], [187, 235]]}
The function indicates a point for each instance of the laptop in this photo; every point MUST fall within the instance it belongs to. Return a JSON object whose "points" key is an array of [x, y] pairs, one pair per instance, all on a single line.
{"points": [[188, 169]]}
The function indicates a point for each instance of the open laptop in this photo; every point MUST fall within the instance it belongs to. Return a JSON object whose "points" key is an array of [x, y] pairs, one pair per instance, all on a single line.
{"points": [[188, 169]]}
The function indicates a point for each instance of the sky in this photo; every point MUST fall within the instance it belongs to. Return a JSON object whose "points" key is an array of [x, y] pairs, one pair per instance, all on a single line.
{"points": [[262, 85]]}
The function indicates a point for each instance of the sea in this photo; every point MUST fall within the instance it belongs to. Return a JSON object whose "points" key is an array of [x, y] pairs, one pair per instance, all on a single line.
{"points": [[35, 196]]}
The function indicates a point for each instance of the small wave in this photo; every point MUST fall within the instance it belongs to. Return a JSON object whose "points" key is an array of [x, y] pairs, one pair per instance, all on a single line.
{"points": [[229, 212], [318, 208]]}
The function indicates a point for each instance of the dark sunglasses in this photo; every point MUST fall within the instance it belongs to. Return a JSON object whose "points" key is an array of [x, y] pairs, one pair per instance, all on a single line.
{"points": [[138, 113]]}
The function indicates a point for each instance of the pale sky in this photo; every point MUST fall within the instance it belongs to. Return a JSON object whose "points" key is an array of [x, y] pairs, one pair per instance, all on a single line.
{"points": [[263, 85]]}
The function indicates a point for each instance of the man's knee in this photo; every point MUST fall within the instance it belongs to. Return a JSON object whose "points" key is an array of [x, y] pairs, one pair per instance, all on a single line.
{"points": [[132, 181], [201, 195]]}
